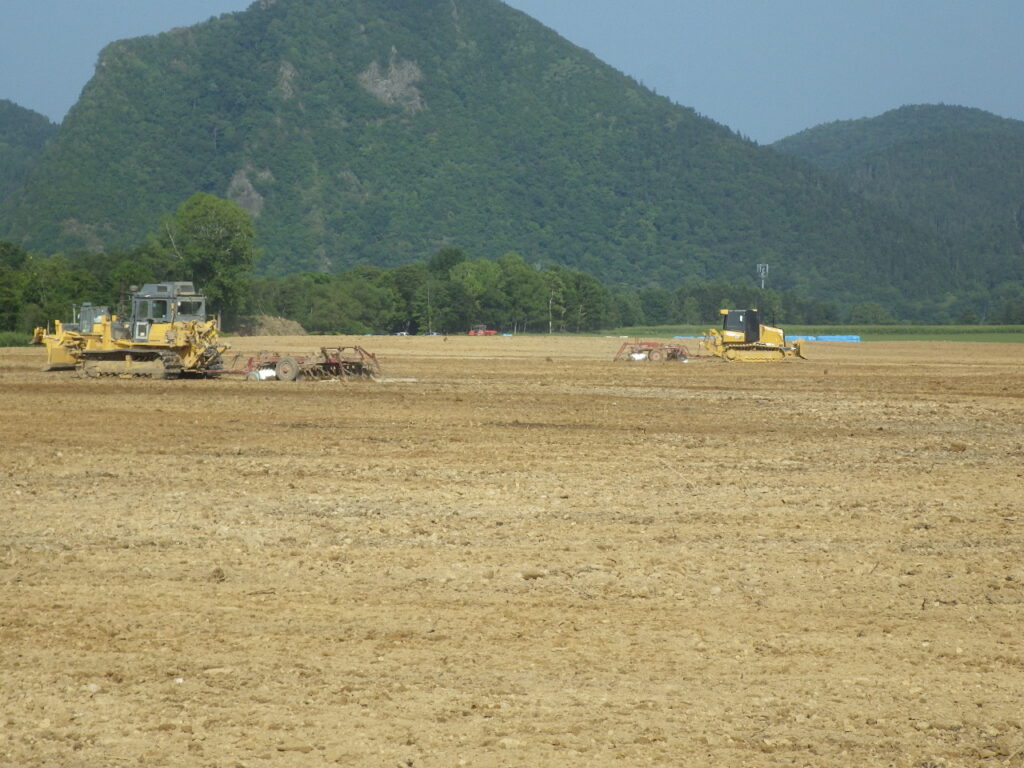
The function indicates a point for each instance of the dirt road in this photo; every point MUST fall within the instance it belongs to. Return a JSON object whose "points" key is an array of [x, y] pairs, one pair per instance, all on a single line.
{"points": [[513, 552]]}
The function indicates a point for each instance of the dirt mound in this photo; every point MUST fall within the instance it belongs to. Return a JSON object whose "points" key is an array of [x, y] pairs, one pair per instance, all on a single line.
{"points": [[268, 325]]}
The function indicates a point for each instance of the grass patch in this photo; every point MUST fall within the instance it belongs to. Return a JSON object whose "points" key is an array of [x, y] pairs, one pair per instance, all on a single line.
{"points": [[12, 339]]}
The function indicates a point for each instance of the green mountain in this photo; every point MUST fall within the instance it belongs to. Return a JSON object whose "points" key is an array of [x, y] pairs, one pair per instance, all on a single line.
{"points": [[23, 136], [955, 171], [378, 131]]}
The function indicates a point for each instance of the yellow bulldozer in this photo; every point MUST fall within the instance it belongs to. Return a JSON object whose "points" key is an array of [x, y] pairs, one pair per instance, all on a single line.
{"points": [[167, 335], [744, 338]]}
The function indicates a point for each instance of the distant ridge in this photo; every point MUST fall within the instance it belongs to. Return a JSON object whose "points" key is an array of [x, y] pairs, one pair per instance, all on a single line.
{"points": [[956, 171], [378, 131], [24, 135]]}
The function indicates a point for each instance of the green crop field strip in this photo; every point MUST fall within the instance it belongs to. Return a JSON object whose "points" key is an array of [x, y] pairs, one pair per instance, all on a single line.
{"points": [[959, 333]]}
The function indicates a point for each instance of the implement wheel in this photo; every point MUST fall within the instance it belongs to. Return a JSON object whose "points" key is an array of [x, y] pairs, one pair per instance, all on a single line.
{"points": [[287, 369]]}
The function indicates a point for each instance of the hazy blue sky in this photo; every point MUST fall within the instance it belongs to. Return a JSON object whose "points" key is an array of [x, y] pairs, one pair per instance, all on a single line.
{"points": [[766, 68]]}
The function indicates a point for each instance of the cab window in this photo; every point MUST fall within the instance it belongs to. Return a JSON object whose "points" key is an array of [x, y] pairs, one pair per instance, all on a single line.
{"points": [[190, 308], [159, 309], [734, 322]]}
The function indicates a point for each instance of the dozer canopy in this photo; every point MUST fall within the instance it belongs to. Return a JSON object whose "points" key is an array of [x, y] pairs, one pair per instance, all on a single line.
{"points": [[85, 316], [164, 303], [745, 321], [168, 302]]}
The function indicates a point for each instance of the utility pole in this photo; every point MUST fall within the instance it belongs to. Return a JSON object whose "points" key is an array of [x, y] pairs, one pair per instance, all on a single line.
{"points": [[762, 274], [430, 324]]}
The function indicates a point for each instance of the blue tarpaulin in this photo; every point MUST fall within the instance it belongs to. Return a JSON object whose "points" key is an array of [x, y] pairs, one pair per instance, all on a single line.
{"points": [[825, 338]]}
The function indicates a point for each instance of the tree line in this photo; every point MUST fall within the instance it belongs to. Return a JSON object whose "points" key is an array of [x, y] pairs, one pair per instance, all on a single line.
{"points": [[210, 241]]}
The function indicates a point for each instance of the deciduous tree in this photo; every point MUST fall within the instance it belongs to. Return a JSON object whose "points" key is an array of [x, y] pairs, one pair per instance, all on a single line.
{"points": [[214, 242]]}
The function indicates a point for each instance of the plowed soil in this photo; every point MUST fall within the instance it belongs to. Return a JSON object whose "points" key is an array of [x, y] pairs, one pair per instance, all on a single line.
{"points": [[513, 552]]}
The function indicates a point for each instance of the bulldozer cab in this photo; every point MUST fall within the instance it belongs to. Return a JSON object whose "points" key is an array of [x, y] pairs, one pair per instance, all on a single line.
{"points": [[85, 316], [164, 303], [745, 321]]}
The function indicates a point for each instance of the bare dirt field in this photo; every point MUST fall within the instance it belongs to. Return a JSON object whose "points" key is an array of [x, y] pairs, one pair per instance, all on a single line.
{"points": [[513, 552]]}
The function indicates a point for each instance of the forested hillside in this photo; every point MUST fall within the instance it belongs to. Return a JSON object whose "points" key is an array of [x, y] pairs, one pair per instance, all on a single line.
{"points": [[379, 131], [23, 136], [955, 171]]}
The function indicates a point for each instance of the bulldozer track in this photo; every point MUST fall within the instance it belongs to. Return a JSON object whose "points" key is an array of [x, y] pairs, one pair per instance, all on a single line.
{"points": [[155, 365], [754, 354]]}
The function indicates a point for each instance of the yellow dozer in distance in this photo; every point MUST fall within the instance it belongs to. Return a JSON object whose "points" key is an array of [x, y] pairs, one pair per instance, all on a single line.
{"points": [[744, 338], [167, 335]]}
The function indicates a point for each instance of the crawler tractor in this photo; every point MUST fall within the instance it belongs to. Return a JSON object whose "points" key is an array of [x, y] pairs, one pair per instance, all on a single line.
{"points": [[744, 338], [167, 335]]}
